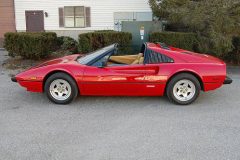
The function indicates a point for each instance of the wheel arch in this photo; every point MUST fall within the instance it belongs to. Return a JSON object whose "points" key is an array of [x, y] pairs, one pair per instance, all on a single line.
{"points": [[189, 72], [57, 71]]}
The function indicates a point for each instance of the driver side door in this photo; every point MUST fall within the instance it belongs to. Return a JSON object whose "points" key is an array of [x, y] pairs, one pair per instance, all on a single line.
{"points": [[113, 80]]}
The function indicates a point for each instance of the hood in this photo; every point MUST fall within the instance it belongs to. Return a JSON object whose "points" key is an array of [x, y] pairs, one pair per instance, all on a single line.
{"points": [[41, 70], [62, 60]]}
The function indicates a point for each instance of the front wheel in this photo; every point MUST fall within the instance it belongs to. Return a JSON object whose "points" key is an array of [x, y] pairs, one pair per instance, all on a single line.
{"points": [[184, 88], [61, 88]]}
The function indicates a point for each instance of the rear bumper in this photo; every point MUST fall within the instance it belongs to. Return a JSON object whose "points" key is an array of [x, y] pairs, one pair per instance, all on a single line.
{"points": [[14, 79], [227, 80]]}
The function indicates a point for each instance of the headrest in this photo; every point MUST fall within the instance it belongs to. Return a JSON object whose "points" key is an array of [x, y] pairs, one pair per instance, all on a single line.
{"points": [[139, 56], [141, 60]]}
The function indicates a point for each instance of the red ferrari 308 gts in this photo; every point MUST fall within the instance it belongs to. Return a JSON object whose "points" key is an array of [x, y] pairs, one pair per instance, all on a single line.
{"points": [[156, 70]]}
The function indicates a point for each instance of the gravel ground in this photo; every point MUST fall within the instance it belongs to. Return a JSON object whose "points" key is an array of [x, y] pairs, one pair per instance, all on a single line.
{"points": [[102, 127]]}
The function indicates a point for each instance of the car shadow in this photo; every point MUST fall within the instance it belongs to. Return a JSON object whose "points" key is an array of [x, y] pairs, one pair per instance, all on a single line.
{"points": [[115, 101], [122, 100]]}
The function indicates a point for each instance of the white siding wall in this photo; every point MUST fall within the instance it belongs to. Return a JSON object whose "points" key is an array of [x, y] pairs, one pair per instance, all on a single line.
{"points": [[102, 12]]}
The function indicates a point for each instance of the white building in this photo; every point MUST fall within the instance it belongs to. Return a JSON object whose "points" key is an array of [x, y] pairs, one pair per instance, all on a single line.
{"points": [[73, 17]]}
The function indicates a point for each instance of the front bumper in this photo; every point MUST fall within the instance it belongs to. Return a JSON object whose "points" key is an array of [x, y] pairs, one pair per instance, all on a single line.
{"points": [[14, 79], [227, 80]]}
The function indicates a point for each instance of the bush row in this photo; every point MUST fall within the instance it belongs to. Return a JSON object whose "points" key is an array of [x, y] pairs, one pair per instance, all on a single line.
{"points": [[92, 41], [29, 44], [197, 43], [40, 44], [185, 41]]}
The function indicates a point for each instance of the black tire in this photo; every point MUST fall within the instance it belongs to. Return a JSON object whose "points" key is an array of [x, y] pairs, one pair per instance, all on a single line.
{"points": [[63, 88], [183, 89]]}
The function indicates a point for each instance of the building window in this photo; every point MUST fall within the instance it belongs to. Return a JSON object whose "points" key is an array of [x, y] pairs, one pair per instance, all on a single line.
{"points": [[75, 17]]}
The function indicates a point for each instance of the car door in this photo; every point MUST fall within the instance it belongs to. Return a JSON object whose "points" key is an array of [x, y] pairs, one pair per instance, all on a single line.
{"points": [[113, 80]]}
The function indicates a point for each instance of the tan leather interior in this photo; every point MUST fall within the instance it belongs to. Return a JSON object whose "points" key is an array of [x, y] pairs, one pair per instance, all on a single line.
{"points": [[128, 59], [140, 56], [138, 59], [141, 60], [135, 62]]}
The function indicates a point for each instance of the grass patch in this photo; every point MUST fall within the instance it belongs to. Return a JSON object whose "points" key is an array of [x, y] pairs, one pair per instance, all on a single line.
{"points": [[12, 66], [25, 67], [11, 75]]}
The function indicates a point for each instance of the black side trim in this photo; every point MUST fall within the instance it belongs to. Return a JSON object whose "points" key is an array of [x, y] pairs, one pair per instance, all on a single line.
{"points": [[29, 81], [227, 80], [14, 79], [213, 82], [111, 65], [126, 82]]}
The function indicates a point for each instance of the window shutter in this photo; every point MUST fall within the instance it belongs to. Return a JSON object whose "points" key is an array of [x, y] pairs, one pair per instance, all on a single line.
{"points": [[88, 16], [61, 18]]}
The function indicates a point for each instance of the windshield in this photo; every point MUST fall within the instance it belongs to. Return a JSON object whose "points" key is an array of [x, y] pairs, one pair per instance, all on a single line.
{"points": [[90, 57]]}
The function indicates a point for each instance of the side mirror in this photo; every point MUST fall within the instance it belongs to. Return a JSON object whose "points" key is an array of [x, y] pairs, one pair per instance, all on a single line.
{"points": [[104, 64]]}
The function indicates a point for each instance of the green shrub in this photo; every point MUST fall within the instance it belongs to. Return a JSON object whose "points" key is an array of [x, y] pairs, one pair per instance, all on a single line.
{"points": [[234, 56], [68, 43], [218, 45], [181, 40], [92, 41], [60, 41], [30, 44], [236, 43]]}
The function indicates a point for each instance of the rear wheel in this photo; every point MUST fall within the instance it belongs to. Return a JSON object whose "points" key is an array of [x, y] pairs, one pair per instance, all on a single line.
{"points": [[184, 88], [61, 88]]}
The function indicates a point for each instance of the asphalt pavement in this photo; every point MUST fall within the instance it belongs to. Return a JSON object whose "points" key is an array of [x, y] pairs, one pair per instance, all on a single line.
{"points": [[3, 56], [114, 127]]}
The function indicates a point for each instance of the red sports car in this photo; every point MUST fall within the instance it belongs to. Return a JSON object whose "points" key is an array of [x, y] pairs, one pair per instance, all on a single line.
{"points": [[155, 71]]}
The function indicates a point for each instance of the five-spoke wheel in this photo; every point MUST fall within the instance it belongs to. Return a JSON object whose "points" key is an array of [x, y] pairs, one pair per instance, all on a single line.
{"points": [[183, 88], [61, 88]]}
